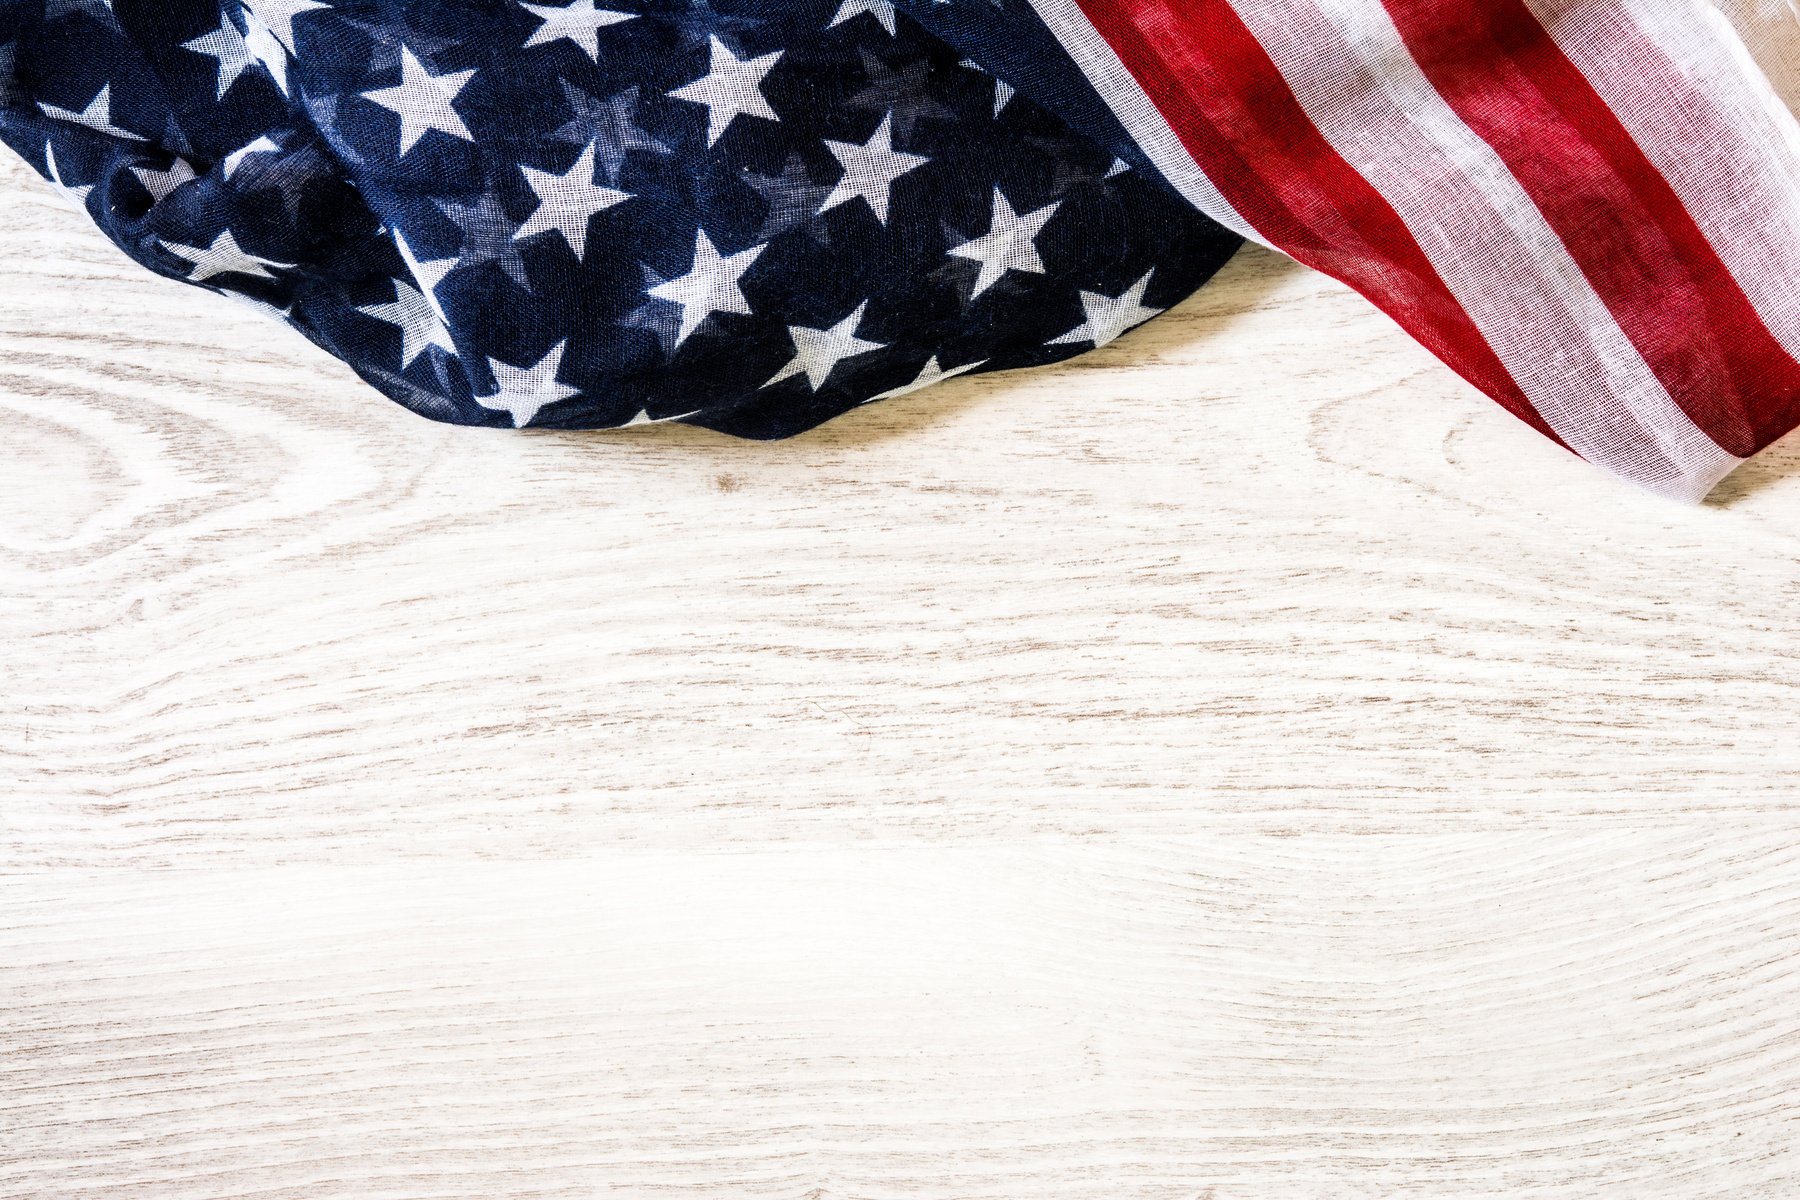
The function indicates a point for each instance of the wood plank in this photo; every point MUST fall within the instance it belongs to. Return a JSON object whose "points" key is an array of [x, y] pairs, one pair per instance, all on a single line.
{"points": [[1241, 765], [1533, 1014]]}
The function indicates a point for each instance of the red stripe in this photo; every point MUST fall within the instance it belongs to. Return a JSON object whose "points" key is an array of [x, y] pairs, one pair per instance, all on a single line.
{"points": [[1235, 114], [1501, 72]]}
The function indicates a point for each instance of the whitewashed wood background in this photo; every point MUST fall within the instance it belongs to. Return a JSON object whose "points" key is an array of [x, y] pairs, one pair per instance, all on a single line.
{"points": [[1243, 764]]}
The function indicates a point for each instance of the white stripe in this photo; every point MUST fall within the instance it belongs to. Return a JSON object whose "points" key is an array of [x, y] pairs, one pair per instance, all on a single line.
{"points": [[1771, 30], [1121, 92], [1743, 187], [1356, 79]]}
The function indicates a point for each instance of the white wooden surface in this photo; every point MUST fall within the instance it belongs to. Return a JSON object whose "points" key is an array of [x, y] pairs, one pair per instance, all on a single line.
{"points": [[1244, 764]]}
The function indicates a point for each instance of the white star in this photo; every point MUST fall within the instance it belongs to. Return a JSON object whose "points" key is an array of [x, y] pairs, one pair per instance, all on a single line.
{"points": [[262, 145], [263, 307], [1003, 95], [76, 196], [1008, 245], [870, 169], [1119, 167], [223, 257], [424, 101], [227, 45], [160, 183], [1003, 91], [817, 352], [420, 326], [579, 21], [644, 418], [881, 10], [930, 375], [261, 41], [429, 274], [710, 285], [731, 87], [97, 115], [525, 391], [278, 17], [567, 202], [1108, 317]]}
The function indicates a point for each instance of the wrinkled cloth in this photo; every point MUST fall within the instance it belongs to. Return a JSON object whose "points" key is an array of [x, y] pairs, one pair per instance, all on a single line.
{"points": [[751, 217], [755, 215], [1590, 209]]}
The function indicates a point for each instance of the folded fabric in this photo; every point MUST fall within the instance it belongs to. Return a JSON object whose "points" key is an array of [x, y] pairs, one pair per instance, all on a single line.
{"points": [[754, 215], [751, 218], [1588, 208]]}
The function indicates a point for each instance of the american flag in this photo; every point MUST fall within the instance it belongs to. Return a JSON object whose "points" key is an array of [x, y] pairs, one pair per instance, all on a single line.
{"points": [[754, 215]]}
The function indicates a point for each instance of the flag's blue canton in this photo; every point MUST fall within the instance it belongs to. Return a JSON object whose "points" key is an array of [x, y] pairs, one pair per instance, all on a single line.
{"points": [[748, 215]]}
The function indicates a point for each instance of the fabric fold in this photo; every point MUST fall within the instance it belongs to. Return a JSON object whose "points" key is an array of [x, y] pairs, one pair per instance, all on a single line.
{"points": [[755, 215], [1584, 207], [752, 217]]}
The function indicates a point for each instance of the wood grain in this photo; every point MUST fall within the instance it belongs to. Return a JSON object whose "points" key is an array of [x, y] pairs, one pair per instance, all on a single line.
{"points": [[1328, 1015], [1242, 764]]}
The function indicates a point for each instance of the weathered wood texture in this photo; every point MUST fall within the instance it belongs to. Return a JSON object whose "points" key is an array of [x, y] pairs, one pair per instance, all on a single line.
{"points": [[1243, 764]]}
